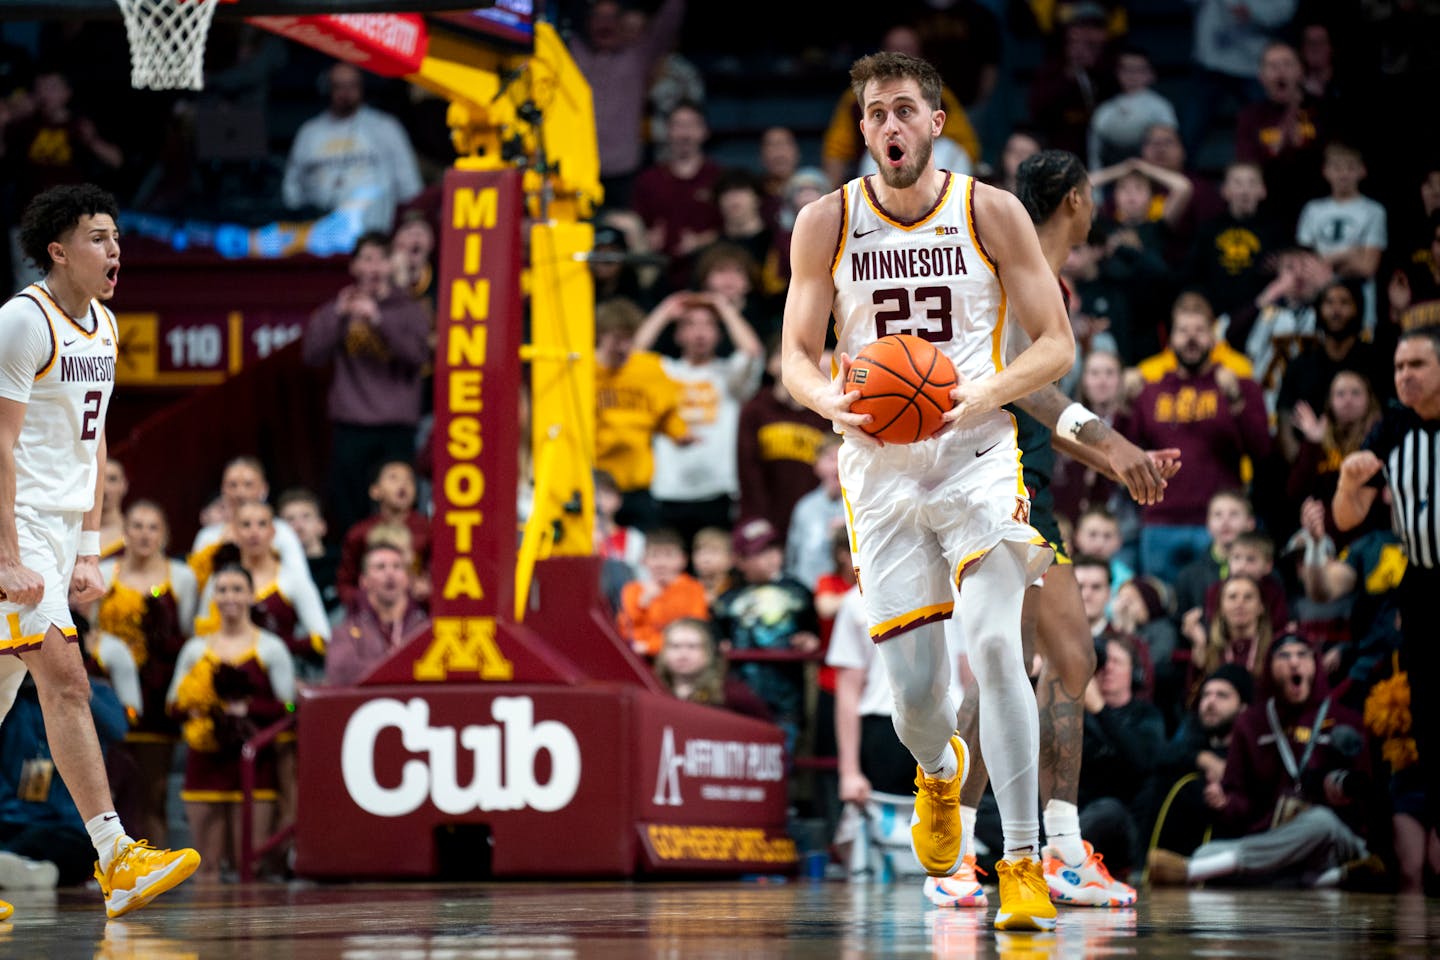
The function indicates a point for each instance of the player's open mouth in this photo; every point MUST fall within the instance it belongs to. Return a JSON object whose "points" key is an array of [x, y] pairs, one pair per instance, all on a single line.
{"points": [[894, 153], [113, 274]]}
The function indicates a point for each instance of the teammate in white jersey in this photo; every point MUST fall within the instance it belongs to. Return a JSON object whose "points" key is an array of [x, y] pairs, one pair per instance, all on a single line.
{"points": [[58, 344], [919, 250]]}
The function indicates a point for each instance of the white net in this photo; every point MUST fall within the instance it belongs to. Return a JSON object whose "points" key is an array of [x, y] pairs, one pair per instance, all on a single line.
{"points": [[167, 42]]}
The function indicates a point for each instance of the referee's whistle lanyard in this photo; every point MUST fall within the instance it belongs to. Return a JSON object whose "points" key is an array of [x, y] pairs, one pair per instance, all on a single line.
{"points": [[1282, 741]]}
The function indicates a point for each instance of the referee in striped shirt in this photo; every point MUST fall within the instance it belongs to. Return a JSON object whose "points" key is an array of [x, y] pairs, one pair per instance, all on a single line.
{"points": [[1403, 454]]}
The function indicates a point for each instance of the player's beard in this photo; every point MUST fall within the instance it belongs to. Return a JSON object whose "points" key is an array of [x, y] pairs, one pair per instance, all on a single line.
{"points": [[907, 174]]}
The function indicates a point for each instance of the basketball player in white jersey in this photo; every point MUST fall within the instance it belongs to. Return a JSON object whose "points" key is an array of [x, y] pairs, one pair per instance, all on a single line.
{"points": [[922, 251], [57, 368]]}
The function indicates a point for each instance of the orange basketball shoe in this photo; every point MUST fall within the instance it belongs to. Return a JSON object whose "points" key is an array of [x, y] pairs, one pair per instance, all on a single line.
{"points": [[139, 873], [935, 825], [963, 889], [1087, 884]]}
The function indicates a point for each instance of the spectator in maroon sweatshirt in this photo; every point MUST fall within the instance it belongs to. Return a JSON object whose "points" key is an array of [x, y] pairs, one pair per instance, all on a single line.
{"points": [[1213, 417], [1283, 133], [376, 339], [1298, 763]]}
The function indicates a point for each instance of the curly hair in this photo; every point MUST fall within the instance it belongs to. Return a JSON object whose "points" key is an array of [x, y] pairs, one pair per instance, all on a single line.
{"points": [[896, 66], [55, 212]]}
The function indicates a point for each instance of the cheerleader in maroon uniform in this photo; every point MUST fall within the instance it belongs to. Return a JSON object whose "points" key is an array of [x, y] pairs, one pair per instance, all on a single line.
{"points": [[228, 686], [149, 606], [287, 602]]}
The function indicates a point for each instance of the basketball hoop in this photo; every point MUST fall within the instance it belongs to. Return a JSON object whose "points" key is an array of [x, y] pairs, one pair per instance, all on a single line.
{"points": [[167, 42]]}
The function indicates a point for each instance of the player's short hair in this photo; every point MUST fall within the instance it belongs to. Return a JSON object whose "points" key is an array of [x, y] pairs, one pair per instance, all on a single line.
{"points": [[1044, 179], [896, 66], [55, 212]]}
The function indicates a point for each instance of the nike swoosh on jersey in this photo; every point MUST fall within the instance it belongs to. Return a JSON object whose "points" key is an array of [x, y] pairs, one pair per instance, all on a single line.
{"points": [[981, 453], [857, 234]]}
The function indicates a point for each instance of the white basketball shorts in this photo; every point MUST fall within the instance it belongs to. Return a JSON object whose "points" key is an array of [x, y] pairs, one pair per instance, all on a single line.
{"points": [[922, 514], [48, 542]]}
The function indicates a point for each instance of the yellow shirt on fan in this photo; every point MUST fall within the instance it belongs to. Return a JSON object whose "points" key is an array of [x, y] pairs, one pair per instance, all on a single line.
{"points": [[632, 404]]}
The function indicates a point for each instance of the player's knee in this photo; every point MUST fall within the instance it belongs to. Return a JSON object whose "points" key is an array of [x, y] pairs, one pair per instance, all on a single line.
{"points": [[63, 683]]}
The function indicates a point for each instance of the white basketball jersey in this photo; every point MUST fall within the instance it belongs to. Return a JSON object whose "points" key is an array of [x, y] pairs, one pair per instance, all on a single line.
{"points": [[930, 278], [72, 365]]}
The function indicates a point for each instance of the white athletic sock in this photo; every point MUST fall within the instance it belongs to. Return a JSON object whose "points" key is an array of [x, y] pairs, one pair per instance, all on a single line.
{"points": [[924, 714], [104, 830], [1062, 831], [967, 823], [992, 594], [1219, 864]]}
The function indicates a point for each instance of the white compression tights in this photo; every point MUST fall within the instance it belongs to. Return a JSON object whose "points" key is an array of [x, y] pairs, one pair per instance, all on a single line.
{"points": [[1009, 725]]}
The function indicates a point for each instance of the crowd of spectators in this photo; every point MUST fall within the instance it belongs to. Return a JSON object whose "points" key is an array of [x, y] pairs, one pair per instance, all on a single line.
{"points": [[1245, 313]]}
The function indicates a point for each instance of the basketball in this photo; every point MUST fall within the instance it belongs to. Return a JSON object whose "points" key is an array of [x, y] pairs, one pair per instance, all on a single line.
{"points": [[904, 385]]}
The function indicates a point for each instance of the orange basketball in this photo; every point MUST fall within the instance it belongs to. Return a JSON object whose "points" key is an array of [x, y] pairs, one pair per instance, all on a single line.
{"points": [[904, 385]]}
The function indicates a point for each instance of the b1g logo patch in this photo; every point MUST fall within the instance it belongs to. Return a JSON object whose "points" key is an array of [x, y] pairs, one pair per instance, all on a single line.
{"points": [[1022, 511], [859, 374]]}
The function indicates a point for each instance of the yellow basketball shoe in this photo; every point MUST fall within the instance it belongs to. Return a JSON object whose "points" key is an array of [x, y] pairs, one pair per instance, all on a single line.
{"points": [[935, 825], [5, 910], [1024, 897], [139, 873]]}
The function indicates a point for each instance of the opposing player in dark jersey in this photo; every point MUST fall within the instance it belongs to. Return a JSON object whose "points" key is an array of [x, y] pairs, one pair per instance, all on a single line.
{"points": [[1055, 189]]}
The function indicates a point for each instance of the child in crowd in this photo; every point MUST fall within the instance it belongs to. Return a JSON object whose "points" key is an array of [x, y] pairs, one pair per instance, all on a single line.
{"points": [[393, 493], [1097, 534], [769, 612], [1227, 515], [666, 594], [713, 561], [1347, 228], [614, 540], [809, 547], [300, 508], [691, 667], [1253, 555]]}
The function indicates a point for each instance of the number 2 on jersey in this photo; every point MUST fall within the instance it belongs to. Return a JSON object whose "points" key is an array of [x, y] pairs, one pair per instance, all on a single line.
{"points": [[896, 304], [91, 414]]}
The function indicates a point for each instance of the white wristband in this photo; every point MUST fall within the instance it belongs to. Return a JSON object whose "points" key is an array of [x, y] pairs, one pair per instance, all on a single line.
{"points": [[89, 543], [1073, 419]]}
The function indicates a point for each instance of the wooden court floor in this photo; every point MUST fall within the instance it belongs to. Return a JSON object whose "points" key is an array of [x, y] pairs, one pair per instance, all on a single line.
{"points": [[669, 921]]}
